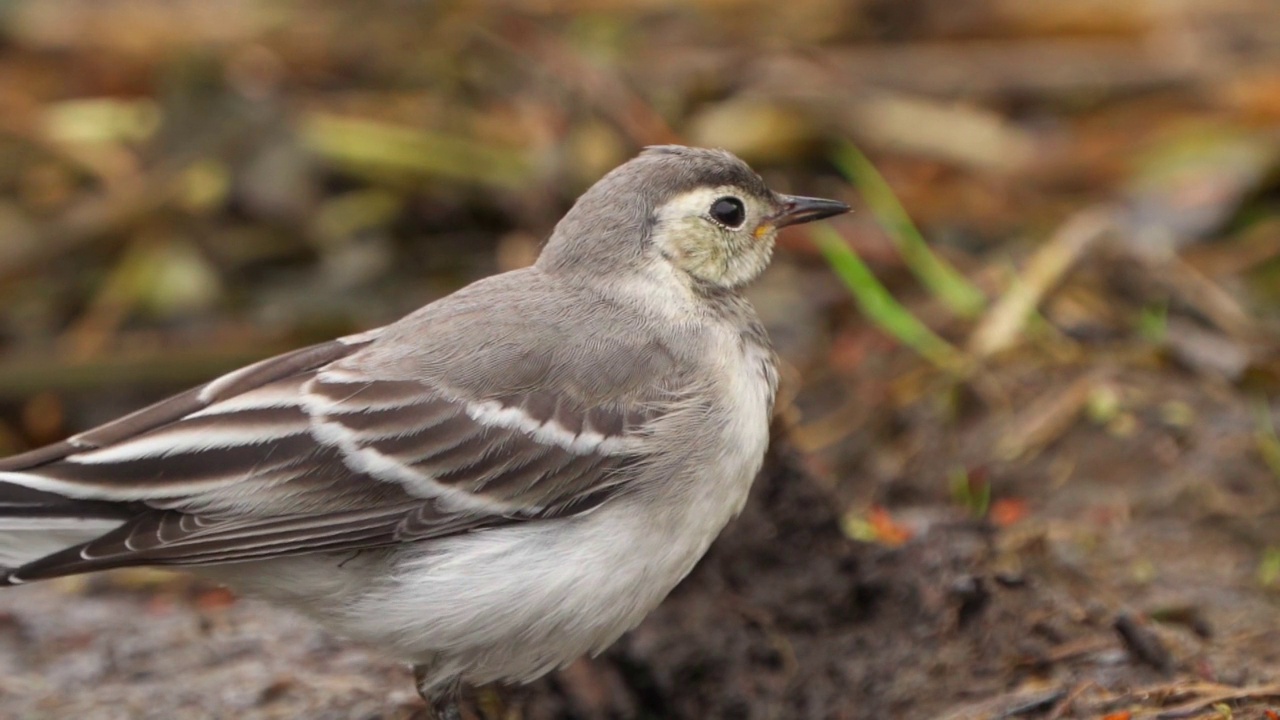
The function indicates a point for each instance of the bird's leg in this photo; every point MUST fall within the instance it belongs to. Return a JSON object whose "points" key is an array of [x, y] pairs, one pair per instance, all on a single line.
{"points": [[446, 708], [491, 704], [420, 681], [441, 705]]}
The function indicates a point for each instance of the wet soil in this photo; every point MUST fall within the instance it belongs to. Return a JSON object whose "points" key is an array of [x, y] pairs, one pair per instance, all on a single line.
{"points": [[1129, 586]]}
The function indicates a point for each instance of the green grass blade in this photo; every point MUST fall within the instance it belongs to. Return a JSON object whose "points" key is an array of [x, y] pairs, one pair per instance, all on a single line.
{"points": [[880, 306], [943, 281]]}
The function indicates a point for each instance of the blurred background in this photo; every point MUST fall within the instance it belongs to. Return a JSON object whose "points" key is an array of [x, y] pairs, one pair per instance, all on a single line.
{"points": [[1025, 461]]}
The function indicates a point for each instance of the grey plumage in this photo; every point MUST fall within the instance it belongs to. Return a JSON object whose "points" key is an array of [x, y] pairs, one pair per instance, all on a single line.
{"points": [[501, 481]]}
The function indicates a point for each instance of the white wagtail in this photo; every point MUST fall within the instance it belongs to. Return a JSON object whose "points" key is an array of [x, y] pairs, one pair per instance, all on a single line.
{"points": [[490, 487]]}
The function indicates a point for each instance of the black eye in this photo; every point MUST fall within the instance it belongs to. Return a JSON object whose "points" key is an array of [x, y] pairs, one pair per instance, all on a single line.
{"points": [[728, 211]]}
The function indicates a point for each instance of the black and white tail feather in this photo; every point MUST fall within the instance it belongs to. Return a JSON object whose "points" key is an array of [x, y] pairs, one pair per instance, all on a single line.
{"points": [[306, 452]]}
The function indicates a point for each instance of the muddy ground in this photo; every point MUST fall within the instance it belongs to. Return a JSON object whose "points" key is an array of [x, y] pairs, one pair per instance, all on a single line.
{"points": [[1025, 463], [1130, 586]]}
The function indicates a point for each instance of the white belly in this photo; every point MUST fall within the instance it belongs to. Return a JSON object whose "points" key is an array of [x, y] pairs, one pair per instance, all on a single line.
{"points": [[513, 602]]}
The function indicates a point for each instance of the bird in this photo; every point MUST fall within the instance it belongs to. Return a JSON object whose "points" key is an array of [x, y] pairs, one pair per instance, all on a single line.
{"points": [[496, 484]]}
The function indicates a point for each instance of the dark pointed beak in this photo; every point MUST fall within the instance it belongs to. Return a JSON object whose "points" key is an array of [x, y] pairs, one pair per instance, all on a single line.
{"points": [[797, 210]]}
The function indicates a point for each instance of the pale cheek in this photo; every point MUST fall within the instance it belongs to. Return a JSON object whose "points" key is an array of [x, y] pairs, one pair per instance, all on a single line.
{"points": [[691, 246], [674, 240], [763, 239], [750, 259], [719, 254], [729, 259]]}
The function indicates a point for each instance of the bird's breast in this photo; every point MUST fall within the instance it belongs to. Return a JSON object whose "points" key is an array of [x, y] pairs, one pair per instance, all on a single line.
{"points": [[749, 386]]}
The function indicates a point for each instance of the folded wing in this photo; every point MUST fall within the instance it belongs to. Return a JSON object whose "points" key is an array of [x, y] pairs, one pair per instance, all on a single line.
{"points": [[308, 452]]}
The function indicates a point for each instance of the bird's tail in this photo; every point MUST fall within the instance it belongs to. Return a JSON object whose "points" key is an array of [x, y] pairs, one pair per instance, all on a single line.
{"points": [[34, 523]]}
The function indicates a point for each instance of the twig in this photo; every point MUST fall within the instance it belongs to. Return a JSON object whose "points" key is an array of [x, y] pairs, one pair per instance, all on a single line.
{"points": [[1004, 321], [1194, 707], [1143, 644]]}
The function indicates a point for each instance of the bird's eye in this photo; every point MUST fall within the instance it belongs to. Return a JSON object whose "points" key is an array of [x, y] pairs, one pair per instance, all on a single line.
{"points": [[728, 211]]}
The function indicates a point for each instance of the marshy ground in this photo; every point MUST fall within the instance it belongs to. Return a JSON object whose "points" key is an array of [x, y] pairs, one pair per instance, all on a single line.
{"points": [[1028, 468]]}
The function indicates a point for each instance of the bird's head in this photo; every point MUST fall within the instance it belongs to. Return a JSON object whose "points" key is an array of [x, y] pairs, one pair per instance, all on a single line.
{"points": [[704, 212]]}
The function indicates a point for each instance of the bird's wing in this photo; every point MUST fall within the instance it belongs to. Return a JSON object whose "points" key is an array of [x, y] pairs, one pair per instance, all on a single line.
{"points": [[310, 451]]}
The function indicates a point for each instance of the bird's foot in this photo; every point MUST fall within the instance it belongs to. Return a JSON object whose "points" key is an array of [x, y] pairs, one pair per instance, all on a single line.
{"points": [[441, 704], [452, 703]]}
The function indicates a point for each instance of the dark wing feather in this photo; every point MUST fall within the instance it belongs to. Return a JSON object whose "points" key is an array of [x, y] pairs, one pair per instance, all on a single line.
{"points": [[178, 406], [304, 454]]}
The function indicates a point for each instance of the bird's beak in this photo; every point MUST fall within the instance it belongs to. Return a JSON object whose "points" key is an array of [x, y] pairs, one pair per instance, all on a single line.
{"points": [[797, 210]]}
